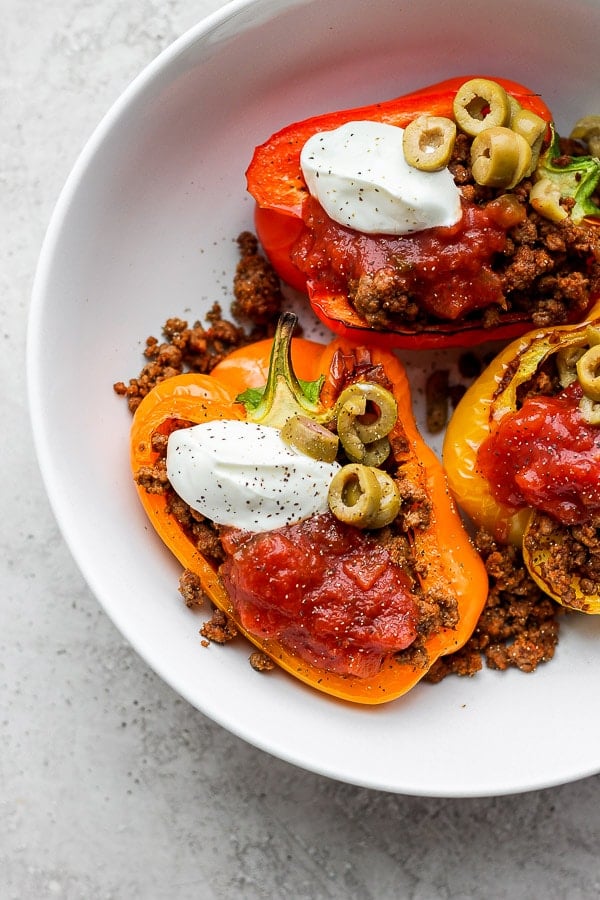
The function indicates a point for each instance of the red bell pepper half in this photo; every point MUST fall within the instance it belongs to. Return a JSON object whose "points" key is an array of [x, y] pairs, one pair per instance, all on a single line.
{"points": [[285, 216]]}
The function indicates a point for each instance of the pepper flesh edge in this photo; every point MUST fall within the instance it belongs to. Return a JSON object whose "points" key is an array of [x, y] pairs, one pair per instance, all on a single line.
{"points": [[282, 187]]}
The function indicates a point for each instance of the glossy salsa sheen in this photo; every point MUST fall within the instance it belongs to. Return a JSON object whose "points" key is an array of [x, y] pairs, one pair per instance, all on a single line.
{"points": [[449, 268], [328, 593], [545, 456]]}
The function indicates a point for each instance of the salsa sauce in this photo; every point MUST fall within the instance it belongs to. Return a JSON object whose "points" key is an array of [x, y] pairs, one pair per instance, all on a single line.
{"points": [[326, 591], [447, 270], [547, 457]]}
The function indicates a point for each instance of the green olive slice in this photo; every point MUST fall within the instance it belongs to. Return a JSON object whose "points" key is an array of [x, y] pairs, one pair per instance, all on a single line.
{"points": [[366, 413], [389, 505], [353, 402], [566, 363], [545, 198], [354, 495], [588, 372], [499, 157], [587, 129], [481, 103], [533, 128], [590, 410], [428, 142], [310, 438]]}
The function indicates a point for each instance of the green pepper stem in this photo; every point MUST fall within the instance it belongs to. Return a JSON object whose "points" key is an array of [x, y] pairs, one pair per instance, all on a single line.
{"points": [[284, 394]]}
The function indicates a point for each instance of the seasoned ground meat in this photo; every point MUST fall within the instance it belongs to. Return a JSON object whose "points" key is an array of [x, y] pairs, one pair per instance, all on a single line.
{"points": [[575, 555], [260, 662], [197, 348], [190, 588], [220, 629], [184, 348], [546, 270], [519, 624], [256, 287]]}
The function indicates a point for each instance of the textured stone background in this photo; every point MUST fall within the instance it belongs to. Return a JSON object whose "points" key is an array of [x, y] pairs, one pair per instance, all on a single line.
{"points": [[111, 786]]}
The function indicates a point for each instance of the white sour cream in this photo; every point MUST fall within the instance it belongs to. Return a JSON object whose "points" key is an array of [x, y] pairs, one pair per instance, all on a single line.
{"points": [[243, 474], [360, 176]]}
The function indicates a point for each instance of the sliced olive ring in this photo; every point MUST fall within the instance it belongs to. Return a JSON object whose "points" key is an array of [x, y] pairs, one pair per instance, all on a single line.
{"points": [[499, 157], [480, 103], [363, 496], [310, 438], [428, 142], [363, 438], [590, 410], [587, 129], [588, 372], [533, 128], [354, 495], [389, 504], [566, 363], [545, 198]]}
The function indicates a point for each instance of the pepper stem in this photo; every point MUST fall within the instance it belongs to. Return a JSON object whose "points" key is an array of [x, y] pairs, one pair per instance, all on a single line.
{"points": [[284, 395]]}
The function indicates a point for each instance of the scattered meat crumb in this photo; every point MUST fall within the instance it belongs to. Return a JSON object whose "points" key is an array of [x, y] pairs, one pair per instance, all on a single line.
{"points": [[260, 662], [519, 625], [190, 588], [199, 348], [220, 629]]}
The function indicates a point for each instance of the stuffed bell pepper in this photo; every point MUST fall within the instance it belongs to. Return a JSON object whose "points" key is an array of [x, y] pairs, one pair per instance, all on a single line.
{"points": [[292, 483], [522, 456], [441, 218]]}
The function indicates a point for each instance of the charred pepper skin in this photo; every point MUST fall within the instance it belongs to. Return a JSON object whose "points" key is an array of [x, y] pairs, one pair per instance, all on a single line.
{"points": [[442, 547]]}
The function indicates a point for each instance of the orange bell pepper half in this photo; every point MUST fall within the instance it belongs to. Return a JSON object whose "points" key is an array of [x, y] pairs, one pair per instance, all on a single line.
{"points": [[445, 555]]}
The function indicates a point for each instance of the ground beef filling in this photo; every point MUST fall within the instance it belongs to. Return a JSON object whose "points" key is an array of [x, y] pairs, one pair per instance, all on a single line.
{"points": [[574, 557], [198, 348], [518, 627], [504, 263]]}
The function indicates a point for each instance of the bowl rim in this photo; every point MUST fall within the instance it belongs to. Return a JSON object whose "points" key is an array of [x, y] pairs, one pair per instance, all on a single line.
{"points": [[33, 375]]}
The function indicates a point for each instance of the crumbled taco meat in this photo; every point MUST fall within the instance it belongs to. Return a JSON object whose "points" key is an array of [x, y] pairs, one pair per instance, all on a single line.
{"points": [[576, 554], [197, 348], [256, 287], [190, 588], [220, 629], [547, 270], [519, 625], [260, 662]]}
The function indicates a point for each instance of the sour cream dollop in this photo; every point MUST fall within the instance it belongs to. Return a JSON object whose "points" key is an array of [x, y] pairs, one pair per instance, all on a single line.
{"points": [[242, 474], [359, 175]]}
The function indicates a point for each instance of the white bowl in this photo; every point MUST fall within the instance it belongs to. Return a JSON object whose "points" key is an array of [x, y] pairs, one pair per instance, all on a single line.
{"points": [[144, 229]]}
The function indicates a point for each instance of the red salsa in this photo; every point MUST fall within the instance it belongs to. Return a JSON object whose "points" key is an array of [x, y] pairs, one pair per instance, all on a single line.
{"points": [[448, 271], [328, 592], [547, 457]]}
